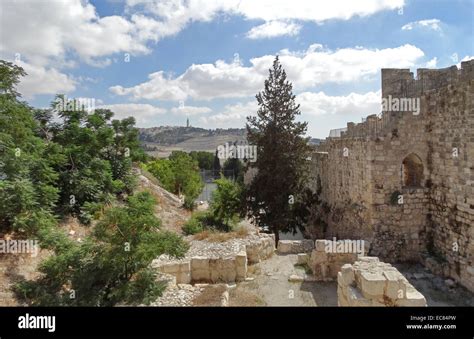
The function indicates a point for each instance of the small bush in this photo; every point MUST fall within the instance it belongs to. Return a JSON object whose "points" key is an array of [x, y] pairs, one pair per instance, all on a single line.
{"points": [[193, 226], [189, 203], [212, 235]]}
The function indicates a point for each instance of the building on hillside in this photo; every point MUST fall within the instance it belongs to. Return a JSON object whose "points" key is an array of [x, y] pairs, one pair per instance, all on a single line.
{"points": [[404, 179]]}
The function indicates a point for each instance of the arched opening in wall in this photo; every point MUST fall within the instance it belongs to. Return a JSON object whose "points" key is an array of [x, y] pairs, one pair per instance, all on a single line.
{"points": [[412, 171]]}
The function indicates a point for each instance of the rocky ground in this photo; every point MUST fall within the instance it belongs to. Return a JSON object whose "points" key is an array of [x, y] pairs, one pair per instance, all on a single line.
{"points": [[169, 206], [179, 295], [271, 283], [438, 291]]}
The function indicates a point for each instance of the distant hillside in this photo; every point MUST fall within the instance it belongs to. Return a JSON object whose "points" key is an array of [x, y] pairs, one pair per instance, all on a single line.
{"points": [[161, 141]]}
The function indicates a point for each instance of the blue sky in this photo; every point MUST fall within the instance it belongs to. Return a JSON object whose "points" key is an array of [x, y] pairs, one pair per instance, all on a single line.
{"points": [[206, 60]]}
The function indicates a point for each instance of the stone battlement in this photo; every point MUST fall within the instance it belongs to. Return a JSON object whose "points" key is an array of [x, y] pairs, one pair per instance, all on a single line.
{"points": [[402, 83]]}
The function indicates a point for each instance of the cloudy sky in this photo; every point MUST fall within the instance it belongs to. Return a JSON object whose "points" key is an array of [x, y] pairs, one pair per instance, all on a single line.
{"points": [[164, 60]]}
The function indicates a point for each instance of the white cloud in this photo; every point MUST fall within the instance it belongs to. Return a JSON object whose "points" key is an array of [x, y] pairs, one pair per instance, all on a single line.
{"points": [[317, 65], [466, 58], [305, 69], [44, 80], [177, 13], [158, 87], [190, 110], [143, 113], [273, 29], [313, 106], [320, 103], [41, 30], [432, 63], [433, 24], [48, 35], [231, 115]]}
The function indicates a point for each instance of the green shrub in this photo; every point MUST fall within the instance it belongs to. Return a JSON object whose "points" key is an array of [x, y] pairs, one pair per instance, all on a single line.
{"points": [[110, 266], [193, 226], [189, 203]]}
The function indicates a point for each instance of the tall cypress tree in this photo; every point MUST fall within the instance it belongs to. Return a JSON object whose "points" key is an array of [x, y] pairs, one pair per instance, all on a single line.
{"points": [[216, 165], [282, 151]]}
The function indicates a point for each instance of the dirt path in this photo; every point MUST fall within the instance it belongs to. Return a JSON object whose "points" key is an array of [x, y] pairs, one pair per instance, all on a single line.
{"points": [[272, 287]]}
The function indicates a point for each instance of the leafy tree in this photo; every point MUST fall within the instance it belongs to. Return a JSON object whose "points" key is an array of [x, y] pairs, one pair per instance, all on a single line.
{"points": [[110, 266], [178, 174], [28, 192], [226, 201], [204, 159], [282, 151], [233, 167], [216, 167], [187, 178], [99, 154], [163, 171]]}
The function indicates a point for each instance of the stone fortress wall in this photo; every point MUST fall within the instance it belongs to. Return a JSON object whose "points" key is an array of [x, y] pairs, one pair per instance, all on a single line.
{"points": [[404, 180]]}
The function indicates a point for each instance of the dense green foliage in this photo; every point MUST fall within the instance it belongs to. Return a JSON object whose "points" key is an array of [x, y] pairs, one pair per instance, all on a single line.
{"points": [[224, 211], [28, 185], [226, 201], [111, 265], [204, 159], [80, 165], [178, 174], [234, 168], [196, 223], [216, 164], [282, 151]]}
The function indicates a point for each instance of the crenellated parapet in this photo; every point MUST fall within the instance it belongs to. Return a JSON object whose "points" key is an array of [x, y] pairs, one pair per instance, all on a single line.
{"points": [[402, 83], [402, 95]]}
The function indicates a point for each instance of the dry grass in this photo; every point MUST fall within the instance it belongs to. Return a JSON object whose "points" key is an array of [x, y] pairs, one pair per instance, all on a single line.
{"points": [[211, 296], [253, 270], [239, 297], [215, 236]]}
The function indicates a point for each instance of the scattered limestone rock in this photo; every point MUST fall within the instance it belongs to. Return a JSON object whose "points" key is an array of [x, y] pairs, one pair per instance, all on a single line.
{"points": [[295, 278], [295, 246]]}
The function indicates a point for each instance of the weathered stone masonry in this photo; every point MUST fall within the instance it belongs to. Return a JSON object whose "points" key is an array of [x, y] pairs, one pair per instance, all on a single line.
{"points": [[403, 181]]}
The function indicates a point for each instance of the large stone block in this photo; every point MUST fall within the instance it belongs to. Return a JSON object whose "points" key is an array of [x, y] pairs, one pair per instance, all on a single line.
{"points": [[200, 270], [320, 245], [295, 246], [241, 266], [181, 270], [318, 257], [222, 270], [285, 246], [346, 275], [394, 285], [412, 298], [372, 284]]}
